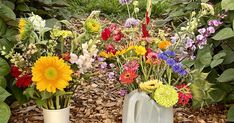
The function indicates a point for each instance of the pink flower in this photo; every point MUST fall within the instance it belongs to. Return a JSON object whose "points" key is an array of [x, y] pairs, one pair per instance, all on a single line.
{"points": [[117, 35], [110, 49], [132, 65]]}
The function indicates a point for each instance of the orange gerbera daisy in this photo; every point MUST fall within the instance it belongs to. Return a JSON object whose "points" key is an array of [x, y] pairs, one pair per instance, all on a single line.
{"points": [[128, 76]]}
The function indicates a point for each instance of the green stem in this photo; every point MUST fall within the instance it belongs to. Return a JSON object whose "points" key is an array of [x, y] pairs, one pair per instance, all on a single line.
{"points": [[129, 15], [62, 43], [57, 102]]}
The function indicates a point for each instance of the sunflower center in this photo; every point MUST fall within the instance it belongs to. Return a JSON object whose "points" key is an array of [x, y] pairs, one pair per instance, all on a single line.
{"points": [[51, 73]]}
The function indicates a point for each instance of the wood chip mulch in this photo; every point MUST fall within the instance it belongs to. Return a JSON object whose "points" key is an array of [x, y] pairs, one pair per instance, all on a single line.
{"points": [[98, 101]]}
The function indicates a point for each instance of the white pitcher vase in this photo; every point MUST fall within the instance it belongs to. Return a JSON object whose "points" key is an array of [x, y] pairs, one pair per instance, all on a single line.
{"points": [[140, 108], [56, 116]]}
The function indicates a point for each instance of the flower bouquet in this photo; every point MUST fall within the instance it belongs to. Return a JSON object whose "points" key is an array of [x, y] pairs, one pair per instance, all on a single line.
{"points": [[153, 62], [48, 63]]}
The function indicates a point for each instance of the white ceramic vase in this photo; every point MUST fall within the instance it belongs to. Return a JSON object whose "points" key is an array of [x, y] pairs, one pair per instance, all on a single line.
{"points": [[140, 108], [56, 116]]}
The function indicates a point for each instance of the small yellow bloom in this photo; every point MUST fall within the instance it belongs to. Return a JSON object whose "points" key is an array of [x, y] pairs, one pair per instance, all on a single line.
{"points": [[150, 85], [23, 28], [140, 50], [164, 45], [51, 73], [105, 54], [92, 25]]}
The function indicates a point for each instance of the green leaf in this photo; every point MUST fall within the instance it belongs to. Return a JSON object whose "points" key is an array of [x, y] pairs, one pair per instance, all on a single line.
{"points": [[29, 92], [233, 24], [6, 12], [3, 94], [204, 55], [3, 27], [218, 95], [40, 102], [22, 7], [9, 4], [18, 94], [230, 116], [3, 82], [226, 76], [224, 34], [227, 4], [4, 67], [219, 55], [215, 62], [5, 112], [46, 95], [6, 44]]}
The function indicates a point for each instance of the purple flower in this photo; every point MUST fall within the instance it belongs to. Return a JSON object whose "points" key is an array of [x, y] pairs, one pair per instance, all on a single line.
{"points": [[131, 22], [189, 43], [122, 92], [171, 61], [200, 38], [111, 75], [101, 59], [112, 65], [182, 72], [170, 53], [214, 23], [162, 56], [173, 39], [211, 29], [177, 68], [103, 65], [125, 1], [202, 31]]}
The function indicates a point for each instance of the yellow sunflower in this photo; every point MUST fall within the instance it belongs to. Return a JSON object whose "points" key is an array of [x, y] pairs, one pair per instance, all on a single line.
{"points": [[50, 73]]}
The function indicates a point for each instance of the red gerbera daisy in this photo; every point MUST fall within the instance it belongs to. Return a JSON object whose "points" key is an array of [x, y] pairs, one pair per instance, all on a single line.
{"points": [[24, 81], [106, 33], [185, 94], [15, 72], [128, 76]]}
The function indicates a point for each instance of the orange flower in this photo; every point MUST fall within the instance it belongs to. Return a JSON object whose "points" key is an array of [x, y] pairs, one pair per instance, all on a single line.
{"points": [[128, 76], [164, 44]]}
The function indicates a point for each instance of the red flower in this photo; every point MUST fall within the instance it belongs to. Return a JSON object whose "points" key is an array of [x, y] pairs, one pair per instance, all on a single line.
{"points": [[15, 72], [106, 33], [113, 27], [145, 31], [66, 56], [24, 81], [148, 50], [128, 76], [110, 49], [147, 18], [117, 36], [131, 65], [185, 94]]}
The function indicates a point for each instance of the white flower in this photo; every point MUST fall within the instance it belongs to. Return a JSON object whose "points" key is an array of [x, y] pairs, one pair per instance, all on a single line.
{"points": [[85, 62], [37, 22], [73, 58]]}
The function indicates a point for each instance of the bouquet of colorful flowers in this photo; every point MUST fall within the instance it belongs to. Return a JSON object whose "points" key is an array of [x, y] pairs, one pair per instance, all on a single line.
{"points": [[48, 63], [152, 61]]}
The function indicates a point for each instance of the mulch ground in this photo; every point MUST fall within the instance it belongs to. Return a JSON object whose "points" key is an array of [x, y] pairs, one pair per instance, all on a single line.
{"points": [[98, 101]]}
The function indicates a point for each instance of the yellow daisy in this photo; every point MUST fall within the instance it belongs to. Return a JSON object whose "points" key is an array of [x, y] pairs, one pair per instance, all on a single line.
{"points": [[105, 54], [140, 50], [22, 28], [51, 73]]}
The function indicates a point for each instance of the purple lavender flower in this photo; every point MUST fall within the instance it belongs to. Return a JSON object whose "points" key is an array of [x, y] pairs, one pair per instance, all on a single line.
{"points": [[182, 72], [171, 61], [162, 56], [103, 65], [125, 1], [122, 92], [214, 23], [111, 75], [131, 22], [211, 29], [170, 53], [177, 68]]}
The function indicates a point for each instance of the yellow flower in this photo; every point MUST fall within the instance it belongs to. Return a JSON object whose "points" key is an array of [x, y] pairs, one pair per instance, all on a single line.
{"points": [[24, 28], [164, 45], [92, 25], [130, 48], [105, 54], [150, 86], [51, 73], [140, 50]]}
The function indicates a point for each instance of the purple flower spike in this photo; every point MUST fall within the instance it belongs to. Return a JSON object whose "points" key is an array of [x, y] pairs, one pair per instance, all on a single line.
{"points": [[131, 22], [211, 30], [202, 31], [111, 75], [215, 23], [123, 2], [189, 43]]}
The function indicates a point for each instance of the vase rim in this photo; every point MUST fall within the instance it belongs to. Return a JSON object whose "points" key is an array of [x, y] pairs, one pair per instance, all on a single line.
{"points": [[56, 109]]}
